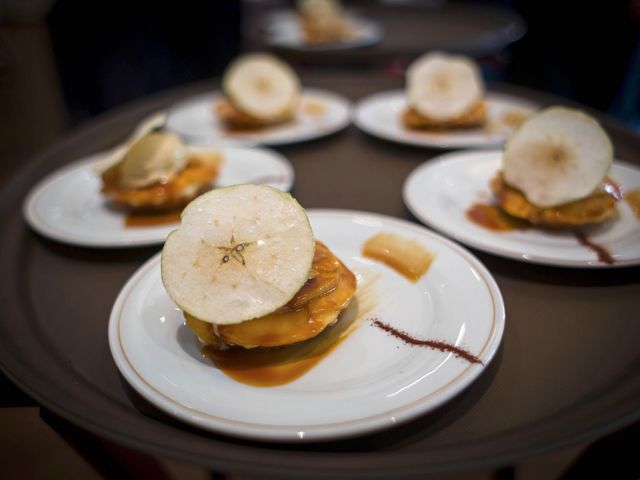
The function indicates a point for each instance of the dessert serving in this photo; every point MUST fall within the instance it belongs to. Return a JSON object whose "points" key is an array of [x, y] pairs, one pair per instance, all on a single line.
{"points": [[248, 274], [444, 92], [260, 91], [554, 171], [324, 21], [158, 173]]}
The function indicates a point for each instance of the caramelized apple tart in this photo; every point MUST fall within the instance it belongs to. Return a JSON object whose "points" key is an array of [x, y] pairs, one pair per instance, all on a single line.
{"points": [[316, 306]]}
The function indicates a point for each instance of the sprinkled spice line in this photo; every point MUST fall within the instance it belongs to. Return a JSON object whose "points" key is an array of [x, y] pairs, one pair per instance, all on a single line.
{"points": [[435, 344]]}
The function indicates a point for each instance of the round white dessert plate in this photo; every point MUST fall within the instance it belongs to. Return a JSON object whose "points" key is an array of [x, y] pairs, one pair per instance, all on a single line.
{"points": [[440, 192], [370, 381], [67, 206], [283, 30], [380, 115], [319, 113]]}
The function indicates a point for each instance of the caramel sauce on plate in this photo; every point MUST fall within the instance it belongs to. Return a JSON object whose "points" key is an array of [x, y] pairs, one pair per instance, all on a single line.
{"points": [[633, 200], [405, 256], [513, 118], [270, 367], [290, 344], [434, 344], [151, 219], [494, 218], [274, 366], [603, 254], [314, 108]]}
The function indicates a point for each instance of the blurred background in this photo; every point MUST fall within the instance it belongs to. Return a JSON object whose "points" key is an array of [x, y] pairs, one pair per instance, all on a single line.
{"points": [[63, 62]]}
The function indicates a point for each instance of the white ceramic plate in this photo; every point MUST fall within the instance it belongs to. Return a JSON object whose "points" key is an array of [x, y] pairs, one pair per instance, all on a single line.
{"points": [[283, 31], [380, 115], [67, 206], [440, 191], [370, 381], [196, 120]]}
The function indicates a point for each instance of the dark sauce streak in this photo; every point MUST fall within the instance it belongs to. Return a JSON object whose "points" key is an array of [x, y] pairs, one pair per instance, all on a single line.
{"points": [[435, 344], [603, 255]]}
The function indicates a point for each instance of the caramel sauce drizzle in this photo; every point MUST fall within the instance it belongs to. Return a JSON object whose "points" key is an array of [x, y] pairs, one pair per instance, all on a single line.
{"points": [[603, 255], [270, 367], [513, 118], [151, 219], [314, 108], [633, 200], [494, 218], [405, 256]]}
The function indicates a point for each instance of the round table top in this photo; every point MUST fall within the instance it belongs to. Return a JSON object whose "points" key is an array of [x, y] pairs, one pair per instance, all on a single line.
{"points": [[566, 371], [408, 30]]}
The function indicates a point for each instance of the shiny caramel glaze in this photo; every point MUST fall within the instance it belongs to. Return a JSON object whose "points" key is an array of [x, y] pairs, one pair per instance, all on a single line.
{"points": [[513, 118], [151, 219], [633, 199], [327, 292], [475, 117], [595, 208], [235, 119], [494, 218], [268, 367], [406, 256], [314, 108], [197, 177]]}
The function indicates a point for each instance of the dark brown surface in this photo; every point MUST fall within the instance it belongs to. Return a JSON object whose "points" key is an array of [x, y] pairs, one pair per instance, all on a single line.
{"points": [[568, 369], [409, 29]]}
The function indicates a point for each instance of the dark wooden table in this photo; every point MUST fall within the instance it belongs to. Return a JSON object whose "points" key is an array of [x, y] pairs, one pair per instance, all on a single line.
{"points": [[568, 370]]}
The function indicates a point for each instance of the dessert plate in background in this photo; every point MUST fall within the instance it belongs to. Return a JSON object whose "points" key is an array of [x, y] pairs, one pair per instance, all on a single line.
{"points": [[380, 115], [370, 381], [67, 206], [283, 30], [440, 192], [319, 113]]}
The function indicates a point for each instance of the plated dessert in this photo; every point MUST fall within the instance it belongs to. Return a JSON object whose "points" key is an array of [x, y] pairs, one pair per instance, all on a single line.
{"points": [[159, 174], [261, 103], [445, 104], [324, 21], [133, 193], [407, 351], [319, 26], [554, 172], [247, 272], [553, 195]]}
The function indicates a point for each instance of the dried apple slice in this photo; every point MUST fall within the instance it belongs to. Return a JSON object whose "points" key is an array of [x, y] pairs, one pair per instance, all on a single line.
{"points": [[443, 87], [557, 156], [241, 252], [261, 86]]}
